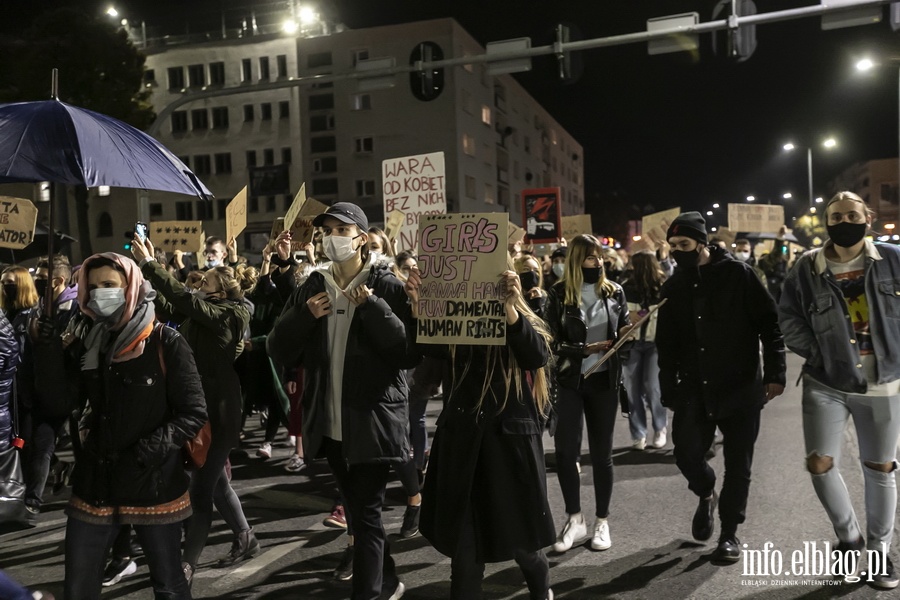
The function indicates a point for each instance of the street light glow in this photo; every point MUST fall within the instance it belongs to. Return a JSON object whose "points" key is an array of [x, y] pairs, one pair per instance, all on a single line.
{"points": [[715, 206], [635, 238], [308, 15], [889, 226], [709, 213], [289, 26], [751, 198], [819, 200], [787, 195], [865, 64], [812, 209], [789, 146], [830, 143], [112, 12]]}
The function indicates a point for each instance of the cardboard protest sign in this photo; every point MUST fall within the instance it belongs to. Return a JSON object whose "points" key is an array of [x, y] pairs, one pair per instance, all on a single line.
{"points": [[516, 233], [576, 225], [654, 226], [461, 259], [726, 235], [277, 228], [299, 218], [236, 216], [178, 235], [415, 186], [641, 245], [542, 214], [18, 216], [757, 218], [393, 223]]}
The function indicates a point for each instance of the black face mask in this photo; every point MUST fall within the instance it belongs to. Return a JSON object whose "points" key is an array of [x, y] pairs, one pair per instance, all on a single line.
{"points": [[11, 291], [686, 260], [529, 280], [591, 275], [846, 234], [41, 286]]}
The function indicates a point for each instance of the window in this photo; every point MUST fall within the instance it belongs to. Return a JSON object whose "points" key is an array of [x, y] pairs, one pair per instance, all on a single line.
{"points": [[486, 114], [179, 121], [466, 102], [265, 111], [251, 158], [223, 162], [176, 78], [222, 207], [468, 144], [196, 75], [281, 65], [246, 70], [318, 59], [217, 73], [285, 156], [321, 123], [204, 210], [220, 117], [323, 144], [284, 109], [365, 188], [199, 119], [186, 160], [253, 204], [324, 187], [286, 202], [184, 211], [527, 144], [149, 76], [361, 102], [268, 156], [489, 197], [156, 210], [104, 225], [327, 164], [248, 113], [264, 67], [470, 187], [358, 55], [364, 145], [202, 164], [321, 102], [270, 204]]}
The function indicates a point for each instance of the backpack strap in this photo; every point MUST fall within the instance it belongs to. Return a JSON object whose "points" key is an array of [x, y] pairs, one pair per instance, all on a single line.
{"points": [[159, 348]]}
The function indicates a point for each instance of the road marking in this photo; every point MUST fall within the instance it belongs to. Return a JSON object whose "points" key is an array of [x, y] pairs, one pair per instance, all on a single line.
{"points": [[253, 566]]}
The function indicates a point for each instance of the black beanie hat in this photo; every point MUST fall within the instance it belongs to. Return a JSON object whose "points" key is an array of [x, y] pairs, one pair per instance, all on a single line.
{"points": [[688, 224]]}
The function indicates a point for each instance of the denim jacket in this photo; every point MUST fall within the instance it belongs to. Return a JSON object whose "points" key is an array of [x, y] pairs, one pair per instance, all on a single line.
{"points": [[817, 325]]}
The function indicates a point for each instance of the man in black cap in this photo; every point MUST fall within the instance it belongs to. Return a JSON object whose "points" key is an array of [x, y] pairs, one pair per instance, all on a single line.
{"points": [[708, 337], [346, 326]]}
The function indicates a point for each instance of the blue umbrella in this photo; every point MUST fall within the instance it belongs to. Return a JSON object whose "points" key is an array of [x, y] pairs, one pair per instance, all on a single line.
{"points": [[53, 141]]}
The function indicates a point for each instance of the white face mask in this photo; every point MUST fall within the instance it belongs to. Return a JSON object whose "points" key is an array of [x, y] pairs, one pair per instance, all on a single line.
{"points": [[558, 269], [106, 301], [742, 256], [339, 249]]}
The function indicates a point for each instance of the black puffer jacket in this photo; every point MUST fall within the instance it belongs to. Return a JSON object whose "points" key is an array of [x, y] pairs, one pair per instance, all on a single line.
{"points": [[9, 360], [374, 409], [708, 337], [139, 418]]}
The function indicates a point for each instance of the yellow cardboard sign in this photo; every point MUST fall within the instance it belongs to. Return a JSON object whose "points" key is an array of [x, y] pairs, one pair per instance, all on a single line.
{"points": [[236, 216], [177, 235], [18, 217], [755, 218]]}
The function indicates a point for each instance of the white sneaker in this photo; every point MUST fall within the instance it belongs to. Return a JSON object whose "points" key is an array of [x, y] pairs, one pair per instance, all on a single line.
{"points": [[639, 444], [659, 439], [601, 540], [398, 593], [265, 450], [574, 530]]}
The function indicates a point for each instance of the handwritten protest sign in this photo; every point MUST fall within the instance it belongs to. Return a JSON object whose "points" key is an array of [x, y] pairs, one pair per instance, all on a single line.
{"points": [[277, 227], [757, 218], [461, 259], [654, 226], [541, 215], [299, 218], [177, 235], [516, 233], [416, 186], [576, 225], [236, 215], [393, 223], [18, 216]]}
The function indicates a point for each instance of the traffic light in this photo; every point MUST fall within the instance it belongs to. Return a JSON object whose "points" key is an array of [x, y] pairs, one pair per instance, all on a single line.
{"points": [[426, 85], [734, 44]]}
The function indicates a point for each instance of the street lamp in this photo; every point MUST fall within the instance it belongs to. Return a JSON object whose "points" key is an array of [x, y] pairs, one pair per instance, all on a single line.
{"points": [[867, 64], [112, 12], [787, 195], [751, 198], [828, 144]]}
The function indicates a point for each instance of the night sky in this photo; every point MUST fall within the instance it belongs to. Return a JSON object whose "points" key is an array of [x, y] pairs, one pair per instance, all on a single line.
{"points": [[665, 130]]}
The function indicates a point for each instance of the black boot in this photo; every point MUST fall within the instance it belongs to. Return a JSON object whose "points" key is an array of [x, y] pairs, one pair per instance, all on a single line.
{"points": [[244, 546]]}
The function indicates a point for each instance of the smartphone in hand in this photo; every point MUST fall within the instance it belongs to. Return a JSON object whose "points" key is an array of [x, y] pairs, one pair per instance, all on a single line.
{"points": [[141, 231]]}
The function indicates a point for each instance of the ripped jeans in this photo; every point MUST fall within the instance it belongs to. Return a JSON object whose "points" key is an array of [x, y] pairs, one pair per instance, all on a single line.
{"points": [[877, 422]]}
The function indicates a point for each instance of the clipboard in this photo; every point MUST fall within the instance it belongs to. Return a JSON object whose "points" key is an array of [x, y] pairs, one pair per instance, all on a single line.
{"points": [[637, 327]]}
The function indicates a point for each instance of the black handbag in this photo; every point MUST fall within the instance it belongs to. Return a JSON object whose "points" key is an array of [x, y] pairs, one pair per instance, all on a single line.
{"points": [[12, 483]]}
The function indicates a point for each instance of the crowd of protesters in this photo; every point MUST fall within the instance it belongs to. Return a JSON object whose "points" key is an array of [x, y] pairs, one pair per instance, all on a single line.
{"points": [[140, 355]]}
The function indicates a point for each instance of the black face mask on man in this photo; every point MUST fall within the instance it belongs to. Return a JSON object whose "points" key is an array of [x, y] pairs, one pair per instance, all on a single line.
{"points": [[846, 234], [686, 259], [41, 286]]}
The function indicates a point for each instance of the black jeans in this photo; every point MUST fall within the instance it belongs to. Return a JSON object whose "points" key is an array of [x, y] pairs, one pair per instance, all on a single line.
{"points": [[43, 444], [466, 574], [362, 487], [87, 546], [692, 435], [598, 406]]}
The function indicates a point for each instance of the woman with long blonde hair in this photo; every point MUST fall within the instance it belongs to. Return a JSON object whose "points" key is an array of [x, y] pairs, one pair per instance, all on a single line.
{"points": [[586, 313], [485, 493]]}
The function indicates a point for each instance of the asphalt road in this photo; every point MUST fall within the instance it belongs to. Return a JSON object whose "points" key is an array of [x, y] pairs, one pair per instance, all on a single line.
{"points": [[652, 556]]}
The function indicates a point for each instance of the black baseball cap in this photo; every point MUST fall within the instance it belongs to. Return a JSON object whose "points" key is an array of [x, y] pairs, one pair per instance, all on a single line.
{"points": [[345, 212]]}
